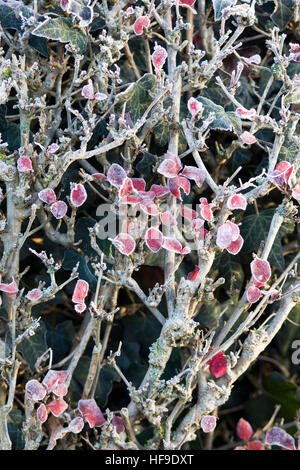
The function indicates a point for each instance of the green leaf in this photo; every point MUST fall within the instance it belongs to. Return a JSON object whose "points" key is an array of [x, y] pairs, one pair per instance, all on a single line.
{"points": [[283, 13], [34, 347], [60, 339], [240, 157], [230, 270], [71, 257], [61, 29], [284, 392], [106, 378], [39, 44], [137, 97], [219, 6], [225, 121], [8, 19]]}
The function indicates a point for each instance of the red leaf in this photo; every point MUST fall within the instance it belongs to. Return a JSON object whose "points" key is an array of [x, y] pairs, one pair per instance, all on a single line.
{"points": [[235, 246], [255, 445], [237, 201], [159, 190], [127, 188], [91, 412], [243, 113], [171, 244], [159, 56], [141, 23], [193, 173], [80, 308], [139, 184], [41, 413], [170, 167], [218, 365], [248, 138], [208, 423], [253, 294], [278, 437], [188, 213], [244, 429], [59, 209], [261, 270], [118, 423], [154, 239], [34, 294], [167, 219], [149, 207], [80, 291], [57, 407], [124, 243], [10, 289], [192, 275], [194, 106], [35, 391], [226, 234], [24, 164], [47, 195], [76, 425], [116, 175], [78, 194], [53, 378]]}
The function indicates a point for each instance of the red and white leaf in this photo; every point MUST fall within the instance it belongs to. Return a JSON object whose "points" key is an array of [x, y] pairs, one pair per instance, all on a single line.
{"points": [[10, 289], [261, 270], [78, 194], [126, 188], [149, 207], [57, 407], [187, 4], [253, 294], [24, 164], [226, 234], [35, 391], [278, 437], [248, 138], [116, 175], [296, 194], [47, 195], [80, 291], [117, 421], [124, 243], [159, 191], [53, 378], [139, 184], [170, 167], [208, 423], [42, 413], [188, 213], [88, 90], [154, 239], [80, 308], [141, 23], [171, 244], [193, 173], [195, 107], [167, 219], [91, 412], [235, 246], [249, 114], [76, 425], [159, 57], [59, 209], [34, 294], [237, 201]]}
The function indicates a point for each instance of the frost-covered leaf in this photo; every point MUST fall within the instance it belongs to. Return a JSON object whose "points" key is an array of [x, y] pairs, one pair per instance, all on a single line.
{"points": [[61, 29], [225, 121], [219, 6], [283, 13], [138, 97]]}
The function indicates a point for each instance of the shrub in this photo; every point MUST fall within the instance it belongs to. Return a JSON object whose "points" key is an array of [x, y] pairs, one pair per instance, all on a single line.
{"points": [[149, 160]]}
